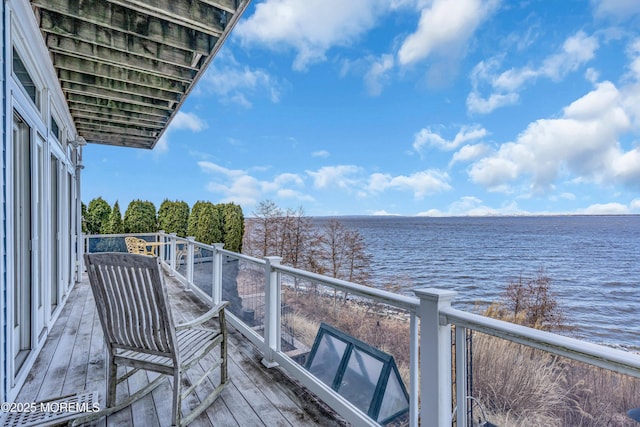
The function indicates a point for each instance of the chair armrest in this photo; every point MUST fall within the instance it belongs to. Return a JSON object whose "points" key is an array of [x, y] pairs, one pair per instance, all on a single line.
{"points": [[215, 311]]}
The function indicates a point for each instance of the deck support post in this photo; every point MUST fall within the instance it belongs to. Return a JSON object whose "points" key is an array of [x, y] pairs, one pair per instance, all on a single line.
{"points": [[216, 285], [271, 311], [435, 358]]}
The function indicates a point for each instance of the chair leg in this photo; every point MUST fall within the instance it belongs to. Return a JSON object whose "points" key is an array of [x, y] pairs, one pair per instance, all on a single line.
{"points": [[223, 348], [177, 401], [112, 382]]}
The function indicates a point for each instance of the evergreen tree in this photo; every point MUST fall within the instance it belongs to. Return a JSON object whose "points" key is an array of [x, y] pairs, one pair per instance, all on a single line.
{"points": [[140, 217], [173, 217], [115, 224], [233, 225], [205, 223], [97, 217]]}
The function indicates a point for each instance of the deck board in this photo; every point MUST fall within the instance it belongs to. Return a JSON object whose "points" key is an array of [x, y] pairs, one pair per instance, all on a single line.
{"points": [[73, 360]]}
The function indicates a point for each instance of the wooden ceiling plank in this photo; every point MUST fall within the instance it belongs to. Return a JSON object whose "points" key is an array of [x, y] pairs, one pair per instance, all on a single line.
{"points": [[196, 15], [80, 109], [89, 52], [111, 17], [119, 42], [81, 118], [120, 74], [115, 128], [106, 84], [83, 99], [143, 102]]}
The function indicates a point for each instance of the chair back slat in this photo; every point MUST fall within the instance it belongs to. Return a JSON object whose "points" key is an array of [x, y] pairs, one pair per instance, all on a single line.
{"points": [[132, 302]]}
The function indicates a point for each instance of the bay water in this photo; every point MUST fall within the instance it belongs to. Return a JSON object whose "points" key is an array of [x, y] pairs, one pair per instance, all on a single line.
{"points": [[593, 263]]}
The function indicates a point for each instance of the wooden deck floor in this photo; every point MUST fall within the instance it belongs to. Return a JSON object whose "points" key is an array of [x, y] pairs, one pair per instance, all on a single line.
{"points": [[73, 360]]}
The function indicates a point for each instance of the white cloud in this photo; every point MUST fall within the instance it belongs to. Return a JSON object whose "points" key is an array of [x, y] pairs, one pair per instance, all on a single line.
{"points": [[428, 137], [444, 28], [635, 205], [617, 9], [605, 209], [469, 152], [341, 176], [583, 143], [310, 27], [576, 51], [240, 187], [235, 83], [181, 121], [189, 121], [320, 153], [422, 183], [378, 74]]}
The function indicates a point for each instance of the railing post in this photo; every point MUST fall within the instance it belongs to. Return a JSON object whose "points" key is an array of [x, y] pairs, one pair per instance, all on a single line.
{"points": [[159, 238], [216, 285], [189, 263], [271, 311], [435, 358], [172, 251]]}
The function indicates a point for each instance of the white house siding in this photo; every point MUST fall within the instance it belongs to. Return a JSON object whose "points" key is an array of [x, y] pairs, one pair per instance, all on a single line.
{"points": [[49, 192]]}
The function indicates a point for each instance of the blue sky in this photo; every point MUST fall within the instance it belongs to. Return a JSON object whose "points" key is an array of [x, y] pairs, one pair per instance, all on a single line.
{"points": [[404, 107]]}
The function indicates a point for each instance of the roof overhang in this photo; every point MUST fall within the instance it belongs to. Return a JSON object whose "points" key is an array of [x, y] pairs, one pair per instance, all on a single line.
{"points": [[126, 66]]}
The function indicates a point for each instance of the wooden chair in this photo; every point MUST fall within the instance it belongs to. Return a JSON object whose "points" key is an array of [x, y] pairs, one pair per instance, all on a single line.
{"points": [[136, 245], [139, 331]]}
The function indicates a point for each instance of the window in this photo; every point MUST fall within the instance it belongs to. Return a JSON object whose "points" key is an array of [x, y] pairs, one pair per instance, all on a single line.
{"points": [[55, 129], [24, 77]]}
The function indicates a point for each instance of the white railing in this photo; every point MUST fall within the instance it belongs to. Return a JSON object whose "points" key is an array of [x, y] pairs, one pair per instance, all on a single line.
{"points": [[431, 319]]}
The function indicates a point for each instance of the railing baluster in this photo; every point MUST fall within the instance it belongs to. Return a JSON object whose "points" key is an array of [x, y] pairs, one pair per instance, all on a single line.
{"points": [[461, 376], [414, 409]]}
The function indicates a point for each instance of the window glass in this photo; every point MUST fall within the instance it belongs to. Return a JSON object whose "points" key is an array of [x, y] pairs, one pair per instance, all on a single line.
{"points": [[23, 76], [55, 129], [326, 360], [394, 400], [360, 379]]}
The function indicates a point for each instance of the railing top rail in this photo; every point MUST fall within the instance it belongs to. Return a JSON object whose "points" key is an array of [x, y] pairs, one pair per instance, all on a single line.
{"points": [[242, 256], [605, 357], [402, 301], [102, 236]]}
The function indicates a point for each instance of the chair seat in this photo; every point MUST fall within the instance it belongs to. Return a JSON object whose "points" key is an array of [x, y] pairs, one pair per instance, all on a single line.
{"points": [[193, 344]]}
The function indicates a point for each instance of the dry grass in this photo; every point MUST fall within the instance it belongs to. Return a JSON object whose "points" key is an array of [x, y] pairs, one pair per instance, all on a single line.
{"points": [[520, 386], [372, 324]]}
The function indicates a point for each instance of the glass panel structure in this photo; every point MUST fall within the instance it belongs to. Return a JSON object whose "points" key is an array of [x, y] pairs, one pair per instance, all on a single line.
{"points": [[362, 374]]}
